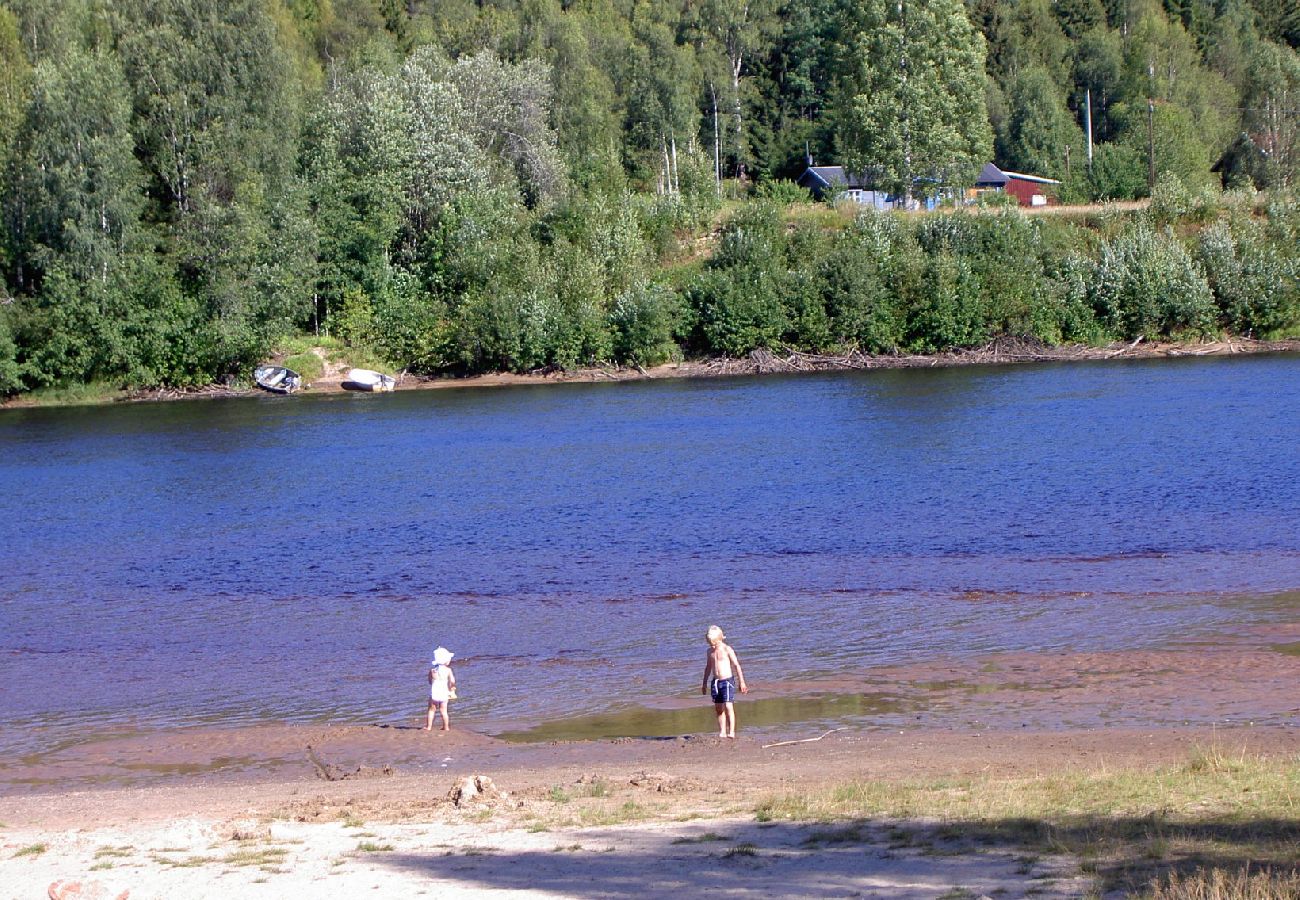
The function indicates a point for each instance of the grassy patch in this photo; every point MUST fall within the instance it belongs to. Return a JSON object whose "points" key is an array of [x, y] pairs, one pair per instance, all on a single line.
{"points": [[745, 849], [849, 834], [571, 848], [707, 837], [1221, 811], [188, 862], [597, 788], [75, 394], [110, 852], [558, 795], [605, 814], [1216, 884], [308, 365], [372, 847], [31, 850], [264, 856], [351, 820]]}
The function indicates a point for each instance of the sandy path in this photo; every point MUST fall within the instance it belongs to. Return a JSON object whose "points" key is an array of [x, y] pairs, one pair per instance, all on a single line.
{"points": [[731, 856]]}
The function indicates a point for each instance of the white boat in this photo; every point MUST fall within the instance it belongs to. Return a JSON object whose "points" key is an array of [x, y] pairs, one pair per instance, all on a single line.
{"points": [[277, 379], [370, 380]]}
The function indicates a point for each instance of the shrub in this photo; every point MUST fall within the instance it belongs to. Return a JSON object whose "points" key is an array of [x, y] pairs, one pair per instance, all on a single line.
{"points": [[782, 192], [1172, 202], [643, 320], [409, 326], [1254, 285], [947, 311], [1145, 285], [1118, 173], [737, 310]]}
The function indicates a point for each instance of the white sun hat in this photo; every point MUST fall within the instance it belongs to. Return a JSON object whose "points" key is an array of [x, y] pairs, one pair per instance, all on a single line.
{"points": [[442, 656]]}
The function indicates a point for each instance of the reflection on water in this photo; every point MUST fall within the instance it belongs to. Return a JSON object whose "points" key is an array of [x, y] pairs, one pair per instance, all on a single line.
{"points": [[297, 559], [763, 712]]}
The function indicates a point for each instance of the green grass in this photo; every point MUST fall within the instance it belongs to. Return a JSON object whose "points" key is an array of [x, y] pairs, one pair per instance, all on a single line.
{"points": [[114, 852], [308, 365], [558, 795], [95, 392], [372, 847], [264, 856], [597, 788], [31, 850], [1220, 811], [188, 862]]}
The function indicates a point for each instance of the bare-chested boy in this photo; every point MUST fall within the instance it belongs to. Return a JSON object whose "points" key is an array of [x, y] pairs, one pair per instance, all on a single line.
{"points": [[722, 674]]}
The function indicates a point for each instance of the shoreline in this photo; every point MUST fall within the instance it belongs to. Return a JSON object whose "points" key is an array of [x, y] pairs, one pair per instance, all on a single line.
{"points": [[1240, 681], [943, 814], [325, 777], [1002, 351], [1030, 775]]}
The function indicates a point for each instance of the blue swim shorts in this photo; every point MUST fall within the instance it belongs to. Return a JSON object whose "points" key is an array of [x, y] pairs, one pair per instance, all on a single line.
{"points": [[723, 690]]}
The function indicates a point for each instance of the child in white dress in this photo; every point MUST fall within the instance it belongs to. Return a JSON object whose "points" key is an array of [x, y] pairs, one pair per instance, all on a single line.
{"points": [[442, 688]]}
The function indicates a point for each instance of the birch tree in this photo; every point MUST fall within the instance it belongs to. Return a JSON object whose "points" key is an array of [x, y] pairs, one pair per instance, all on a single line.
{"points": [[910, 108]]}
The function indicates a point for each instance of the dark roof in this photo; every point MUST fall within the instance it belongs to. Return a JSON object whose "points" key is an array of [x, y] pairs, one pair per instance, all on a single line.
{"points": [[990, 176], [830, 176]]}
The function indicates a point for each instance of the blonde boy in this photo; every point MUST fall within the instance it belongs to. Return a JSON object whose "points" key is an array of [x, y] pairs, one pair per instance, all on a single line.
{"points": [[721, 675]]}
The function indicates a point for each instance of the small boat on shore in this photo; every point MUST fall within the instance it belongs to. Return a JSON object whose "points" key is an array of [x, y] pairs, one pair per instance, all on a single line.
{"points": [[277, 379], [370, 380]]}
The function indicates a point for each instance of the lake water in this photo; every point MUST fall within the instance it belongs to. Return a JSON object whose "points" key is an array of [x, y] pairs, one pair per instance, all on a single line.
{"points": [[298, 558]]}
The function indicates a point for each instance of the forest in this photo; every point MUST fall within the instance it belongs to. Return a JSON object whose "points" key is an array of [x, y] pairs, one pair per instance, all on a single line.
{"points": [[466, 186]]}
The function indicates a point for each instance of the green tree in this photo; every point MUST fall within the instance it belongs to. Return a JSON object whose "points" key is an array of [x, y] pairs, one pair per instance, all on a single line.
{"points": [[77, 195], [911, 95], [1272, 116], [1041, 135]]}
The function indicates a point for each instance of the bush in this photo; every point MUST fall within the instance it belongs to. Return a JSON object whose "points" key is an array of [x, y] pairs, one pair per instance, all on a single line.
{"points": [[736, 311], [782, 192], [947, 311], [1173, 202], [10, 370], [1145, 285], [1118, 173], [863, 278], [1254, 285], [644, 319]]}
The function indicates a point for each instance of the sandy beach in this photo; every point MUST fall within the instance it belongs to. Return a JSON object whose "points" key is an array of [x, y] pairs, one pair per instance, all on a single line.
{"points": [[296, 810]]}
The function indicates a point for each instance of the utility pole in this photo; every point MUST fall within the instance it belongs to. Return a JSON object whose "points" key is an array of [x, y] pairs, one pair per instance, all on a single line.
{"points": [[1151, 144], [1087, 118], [1151, 127]]}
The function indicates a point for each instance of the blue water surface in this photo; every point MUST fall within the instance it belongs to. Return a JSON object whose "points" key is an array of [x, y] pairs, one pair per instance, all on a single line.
{"points": [[297, 558]]}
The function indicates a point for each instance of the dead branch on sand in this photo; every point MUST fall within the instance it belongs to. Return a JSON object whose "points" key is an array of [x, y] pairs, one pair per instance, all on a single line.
{"points": [[802, 740]]}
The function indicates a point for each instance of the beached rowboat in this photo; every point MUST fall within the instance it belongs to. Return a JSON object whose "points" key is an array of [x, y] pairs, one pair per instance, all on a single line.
{"points": [[277, 379], [369, 380]]}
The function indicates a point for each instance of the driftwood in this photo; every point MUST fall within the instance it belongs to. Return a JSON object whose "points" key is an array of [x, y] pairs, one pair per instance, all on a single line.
{"points": [[802, 740]]}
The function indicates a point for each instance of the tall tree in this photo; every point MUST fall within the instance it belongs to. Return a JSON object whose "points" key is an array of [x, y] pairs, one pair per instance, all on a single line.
{"points": [[911, 94], [1041, 136], [1272, 114]]}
